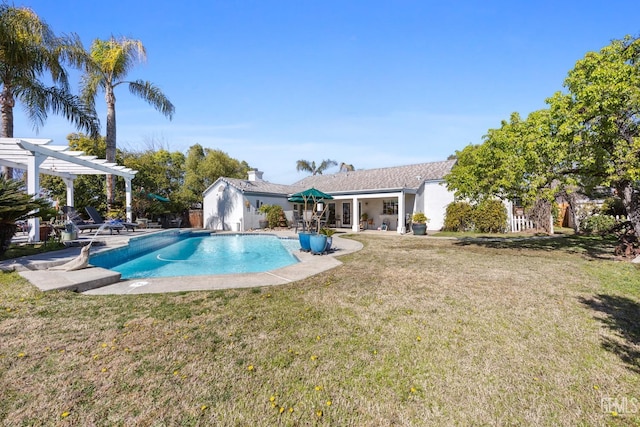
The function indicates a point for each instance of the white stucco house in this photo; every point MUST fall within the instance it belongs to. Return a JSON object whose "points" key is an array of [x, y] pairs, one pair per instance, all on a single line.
{"points": [[388, 197]]}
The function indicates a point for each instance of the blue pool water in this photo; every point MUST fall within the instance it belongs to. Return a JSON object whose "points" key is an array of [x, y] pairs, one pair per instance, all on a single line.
{"points": [[200, 255]]}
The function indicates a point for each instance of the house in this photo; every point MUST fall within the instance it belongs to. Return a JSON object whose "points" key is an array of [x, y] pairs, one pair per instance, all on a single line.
{"points": [[388, 197]]}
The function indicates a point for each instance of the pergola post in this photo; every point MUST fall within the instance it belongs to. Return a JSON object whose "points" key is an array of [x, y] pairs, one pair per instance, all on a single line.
{"points": [[127, 186], [69, 183], [33, 187]]}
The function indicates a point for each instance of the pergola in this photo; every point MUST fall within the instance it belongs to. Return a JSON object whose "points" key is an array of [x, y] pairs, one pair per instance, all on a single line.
{"points": [[38, 156]]}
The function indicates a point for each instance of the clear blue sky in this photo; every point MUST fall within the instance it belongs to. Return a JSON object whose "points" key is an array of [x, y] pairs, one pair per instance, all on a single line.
{"points": [[371, 83]]}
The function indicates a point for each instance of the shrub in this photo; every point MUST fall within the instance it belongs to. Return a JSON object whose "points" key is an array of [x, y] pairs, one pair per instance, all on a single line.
{"points": [[419, 218], [273, 213], [16, 204], [598, 224], [458, 217], [613, 206], [490, 216]]}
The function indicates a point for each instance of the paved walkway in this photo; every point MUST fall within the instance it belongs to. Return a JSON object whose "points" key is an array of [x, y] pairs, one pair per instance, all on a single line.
{"points": [[98, 281]]}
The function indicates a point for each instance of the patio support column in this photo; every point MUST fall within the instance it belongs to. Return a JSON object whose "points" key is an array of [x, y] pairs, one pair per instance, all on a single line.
{"points": [[69, 183], [127, 203], [401, 209], [355, 217], [33, 187]]}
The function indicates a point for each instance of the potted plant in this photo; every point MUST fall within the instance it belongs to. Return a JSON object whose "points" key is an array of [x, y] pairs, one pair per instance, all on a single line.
{"points": [[70, 232], [329, 232], [419, 224]]}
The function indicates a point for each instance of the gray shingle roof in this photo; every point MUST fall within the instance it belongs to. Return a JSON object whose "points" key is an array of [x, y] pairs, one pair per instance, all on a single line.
{"points": [[409, 176], [263, 187], [391, 178]]}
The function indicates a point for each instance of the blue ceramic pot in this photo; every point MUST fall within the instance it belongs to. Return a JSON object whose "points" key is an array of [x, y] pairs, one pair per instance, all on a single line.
{"points": [[419, 229], [318, 243], [305, 244], [329, 242]]}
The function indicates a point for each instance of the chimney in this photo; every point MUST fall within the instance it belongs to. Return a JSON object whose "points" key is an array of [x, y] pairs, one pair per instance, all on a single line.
{"points": [[255, 175]]}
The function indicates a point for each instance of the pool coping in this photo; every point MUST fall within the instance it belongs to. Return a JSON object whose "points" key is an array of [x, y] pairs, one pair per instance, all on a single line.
{"points": [[99, 281]]}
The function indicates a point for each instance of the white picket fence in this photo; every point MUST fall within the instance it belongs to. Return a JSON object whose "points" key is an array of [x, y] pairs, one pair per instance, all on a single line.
{"points": [[521, 223]]}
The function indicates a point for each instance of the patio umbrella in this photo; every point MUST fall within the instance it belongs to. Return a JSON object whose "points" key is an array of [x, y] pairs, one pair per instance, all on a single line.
{"points": [[157, 197], [314, 196]]}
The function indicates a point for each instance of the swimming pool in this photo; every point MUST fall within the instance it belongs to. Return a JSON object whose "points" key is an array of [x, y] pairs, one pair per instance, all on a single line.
{"points": [[198, 254]]}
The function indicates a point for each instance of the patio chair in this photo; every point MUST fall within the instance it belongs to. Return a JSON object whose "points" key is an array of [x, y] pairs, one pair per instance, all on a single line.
{"points": [[111, 225], [73, 216], [298, 221]]}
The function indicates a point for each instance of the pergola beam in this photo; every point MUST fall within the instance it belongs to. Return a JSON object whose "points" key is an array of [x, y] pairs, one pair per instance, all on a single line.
{"points": [[38, 156]]}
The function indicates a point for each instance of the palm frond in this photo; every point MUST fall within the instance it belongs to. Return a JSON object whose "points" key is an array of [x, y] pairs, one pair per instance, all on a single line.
{"points": [[153, 95], [39, 99]]}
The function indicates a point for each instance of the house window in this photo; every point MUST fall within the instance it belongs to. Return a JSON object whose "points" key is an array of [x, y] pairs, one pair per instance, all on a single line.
{"points": [[389, 207]]}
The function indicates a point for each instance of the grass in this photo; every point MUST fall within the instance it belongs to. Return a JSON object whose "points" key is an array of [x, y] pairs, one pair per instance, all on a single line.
{"points": [[409, 331], [26, 249]]}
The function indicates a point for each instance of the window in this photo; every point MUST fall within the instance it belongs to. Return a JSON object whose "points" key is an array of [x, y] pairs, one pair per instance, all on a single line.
{"points": [[389, 207]]}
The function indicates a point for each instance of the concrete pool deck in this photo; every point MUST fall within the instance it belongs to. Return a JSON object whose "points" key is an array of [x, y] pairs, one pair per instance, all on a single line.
{"points": [[99, 281]]}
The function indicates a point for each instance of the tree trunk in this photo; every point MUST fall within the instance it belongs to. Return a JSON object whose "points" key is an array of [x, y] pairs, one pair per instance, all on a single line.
{"points": [[7, 102], [111, 142], [6, 234], [573, 210], [631, 201], [541, 213]]}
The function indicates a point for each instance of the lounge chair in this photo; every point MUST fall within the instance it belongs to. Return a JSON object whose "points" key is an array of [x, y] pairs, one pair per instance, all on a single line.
{"points": [[78, 222], [113, 224]]}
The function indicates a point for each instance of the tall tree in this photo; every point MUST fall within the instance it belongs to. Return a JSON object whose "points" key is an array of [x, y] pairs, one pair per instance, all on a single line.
{"points": [[589, 138], [522, 159], [204, 166], [160, 172], [28, 50], [306, 166], [600, 119], [106, 66]]}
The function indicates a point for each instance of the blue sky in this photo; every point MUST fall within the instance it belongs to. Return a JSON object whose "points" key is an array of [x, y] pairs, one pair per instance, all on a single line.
{"points": [[369, 83]]}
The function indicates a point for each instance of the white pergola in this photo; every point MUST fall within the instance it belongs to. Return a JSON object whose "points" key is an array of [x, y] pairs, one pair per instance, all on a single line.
{"points": [[38, 156]]}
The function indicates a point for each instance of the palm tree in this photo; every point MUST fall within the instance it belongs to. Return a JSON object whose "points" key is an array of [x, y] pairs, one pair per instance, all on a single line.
{"points": [[306, 166], [28, 50], [105, 67]]}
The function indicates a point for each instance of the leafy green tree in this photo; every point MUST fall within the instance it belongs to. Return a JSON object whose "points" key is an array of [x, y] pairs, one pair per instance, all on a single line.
{"points": [[523, 159], [106, 66], [15, 204], [600, 121], [204, 166], [28, 50], [159, 172], [306, 166]]}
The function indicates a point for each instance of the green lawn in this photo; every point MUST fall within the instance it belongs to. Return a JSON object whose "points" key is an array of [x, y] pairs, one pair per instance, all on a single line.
{"points": [[409, 331]]}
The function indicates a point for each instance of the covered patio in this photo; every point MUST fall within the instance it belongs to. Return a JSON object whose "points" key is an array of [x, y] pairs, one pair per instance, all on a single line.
{"points": [[37, 156]]}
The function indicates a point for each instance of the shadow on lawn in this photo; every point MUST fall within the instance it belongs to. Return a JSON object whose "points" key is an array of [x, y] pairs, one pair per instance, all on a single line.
{"points": [[621, 315], [595, 247]]}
